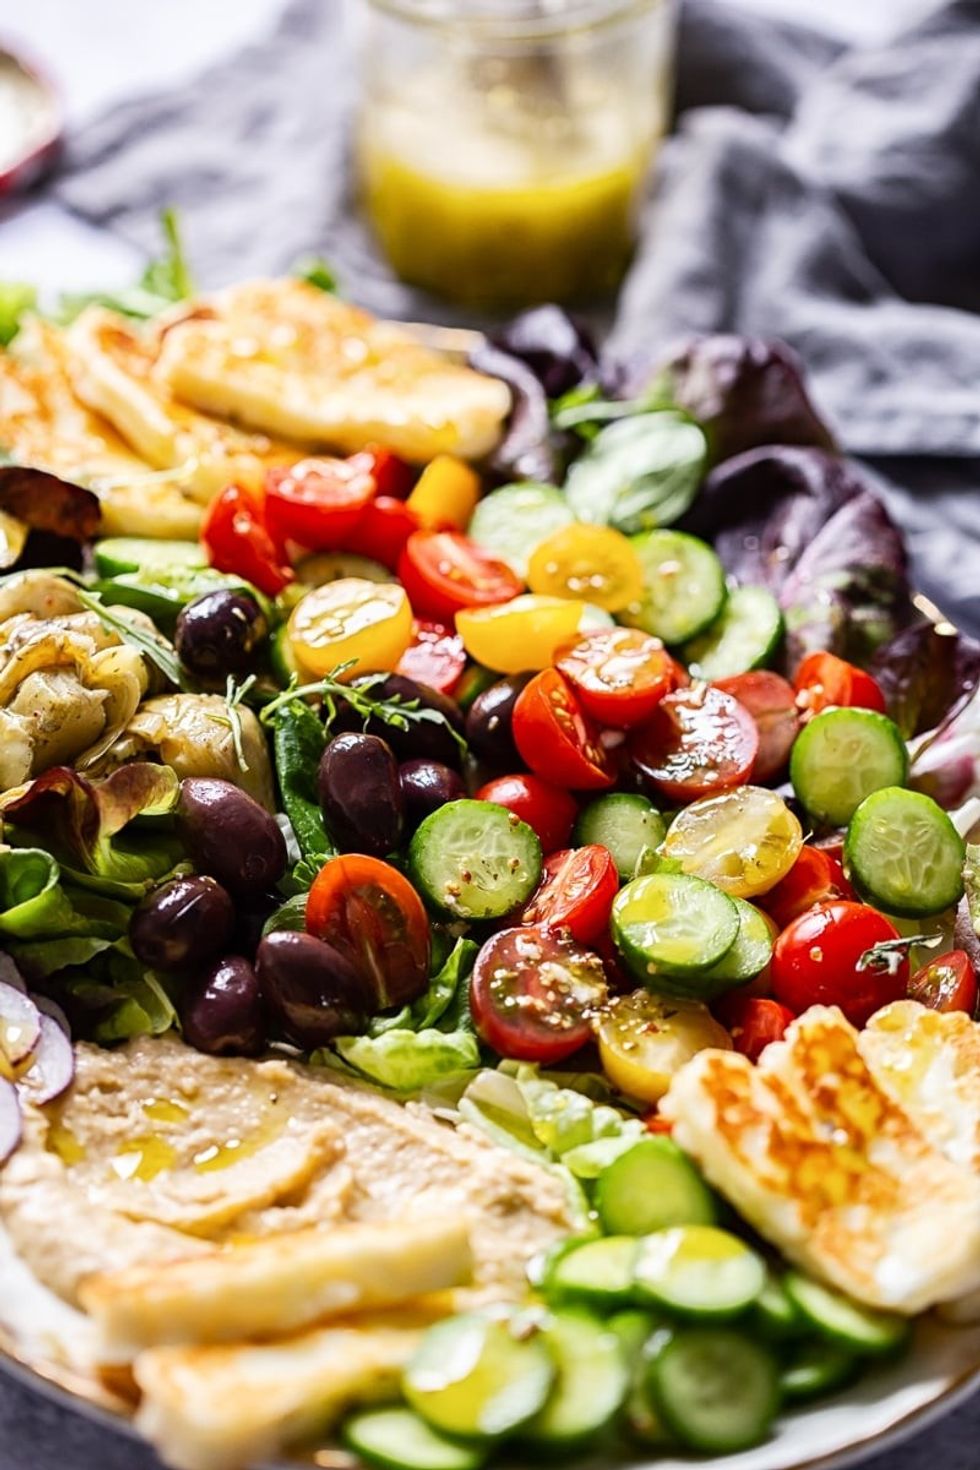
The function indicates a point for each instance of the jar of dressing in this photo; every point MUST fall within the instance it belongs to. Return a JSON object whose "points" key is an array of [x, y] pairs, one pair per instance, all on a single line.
{"points": [[504, 144]]}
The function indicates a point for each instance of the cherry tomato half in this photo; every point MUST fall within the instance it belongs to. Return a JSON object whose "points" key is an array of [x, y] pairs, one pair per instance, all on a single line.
{"points": [[556, 738], [317, 502], [820, 959], [947, 983], [236, 539], [771, 701], [815, 877], [619, 674], [548, 810], [699, 741], [576, 892], [443, 571], [533, 995], [753, 1022], [371, 913], [391, 474], [382, 531], [435, 657], [823, 679]]}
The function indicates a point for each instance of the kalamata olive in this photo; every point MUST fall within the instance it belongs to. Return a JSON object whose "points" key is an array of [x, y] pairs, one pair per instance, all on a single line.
{"points": [[222, 1010], [230, 836], [312, 993], [186, 922], [426, 786], [489, 722], [360, 794], [218, 633], [424, 739], [250, 920]]}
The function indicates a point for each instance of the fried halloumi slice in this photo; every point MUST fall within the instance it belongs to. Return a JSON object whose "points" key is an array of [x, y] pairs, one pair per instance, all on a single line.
{"points": [[112, 362], [277, 1285], [815, 1152], [287, 358], [220, 1408]]}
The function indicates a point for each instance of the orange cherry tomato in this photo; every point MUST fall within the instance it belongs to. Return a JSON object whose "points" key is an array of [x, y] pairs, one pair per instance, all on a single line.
{"points": [[382, 531], [823, 679], [947, 983], [369, 912], [771, 701], [548, 810], [556, 738], [619, 674], [576, 893], [699, 742], [753, 1021], [815, 877], [237, 540], [443, 571], [317, 502], [823, 958], [435, 657]]}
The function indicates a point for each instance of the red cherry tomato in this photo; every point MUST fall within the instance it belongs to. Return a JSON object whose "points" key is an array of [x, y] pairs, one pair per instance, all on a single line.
{"points": [[317, 502], [823, 679], [390, 473], [533, 995], [822, 959], [947, 983], [384, 527], [576, 893], [435, 656], [699, 742], [547, 809], [236, 539], [556, 738], [815, 877], [771, 701], [753, 1022], [371, 913], [443, 571], [653, 1123], [619, 674]]}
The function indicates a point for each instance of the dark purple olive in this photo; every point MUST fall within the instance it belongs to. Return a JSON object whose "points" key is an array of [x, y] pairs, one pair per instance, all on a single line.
{"points": [[312, 993], [489, 722], [222, 1011], [219, 632], [230, 836], [423, 739], [250, 919], [185, 923], [426, 786], [360, 794]]}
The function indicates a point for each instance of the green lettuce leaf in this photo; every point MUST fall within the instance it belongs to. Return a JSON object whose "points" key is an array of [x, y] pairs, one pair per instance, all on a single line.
{"points": [[446, 1001], [115, 999], [298, 741], [164, 281], [16, 299], [37, 904], [410, 1061]]}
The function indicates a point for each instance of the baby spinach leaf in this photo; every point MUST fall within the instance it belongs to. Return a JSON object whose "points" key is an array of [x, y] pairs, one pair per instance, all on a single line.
{"points": [[639, 472]]}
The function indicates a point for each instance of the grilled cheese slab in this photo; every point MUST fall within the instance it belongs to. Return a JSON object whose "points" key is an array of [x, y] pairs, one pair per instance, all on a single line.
{"points": [[288, 359]]}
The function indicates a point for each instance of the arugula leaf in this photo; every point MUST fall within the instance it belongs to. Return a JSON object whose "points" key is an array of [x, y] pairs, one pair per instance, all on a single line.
{"points": [[315, 271], [16, 299]]}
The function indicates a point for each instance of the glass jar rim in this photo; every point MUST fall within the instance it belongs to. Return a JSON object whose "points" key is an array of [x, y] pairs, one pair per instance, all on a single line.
{"points": [[516, 19]]}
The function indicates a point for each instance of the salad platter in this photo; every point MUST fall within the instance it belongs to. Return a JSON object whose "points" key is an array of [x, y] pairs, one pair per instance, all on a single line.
{"points": [[489, 897]]}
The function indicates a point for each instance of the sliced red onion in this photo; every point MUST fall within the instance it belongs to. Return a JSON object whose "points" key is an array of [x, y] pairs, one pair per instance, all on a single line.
{"points": [[10, 1120], [20, 1025], [52, 1068]]}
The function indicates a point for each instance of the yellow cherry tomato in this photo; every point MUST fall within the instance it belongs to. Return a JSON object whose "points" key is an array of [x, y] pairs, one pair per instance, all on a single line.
{"points": [[743, 841], [351, 619], [520, 636], [644, 1041], [594, 563], [446, 494]]}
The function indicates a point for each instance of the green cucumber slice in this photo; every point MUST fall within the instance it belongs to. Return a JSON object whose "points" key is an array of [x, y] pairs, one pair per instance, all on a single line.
{"points": [[474, 860], [118, 554], [510, 523], [652, 1186], [543, 1262], [627, 824], [597, 1271], [775, 1314], [699, 1271], [397, 1438], [472, 1376], [716, 1390], [744, 636], [816, 1367], [841, 757], [641, 1337], [593, 1379], [748, 956], [474, 681], [282, 660], [684, 586], [904, 855], [161, 593], [853, 1326], [672, 925]]}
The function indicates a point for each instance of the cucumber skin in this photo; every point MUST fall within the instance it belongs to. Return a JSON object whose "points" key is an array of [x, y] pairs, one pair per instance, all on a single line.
{"points": [[739, 1348], [711, 610], [866, 889], [420, 868], [467, 1457], [810, 736], [666, 1158], [669, 979], [111, 559]]}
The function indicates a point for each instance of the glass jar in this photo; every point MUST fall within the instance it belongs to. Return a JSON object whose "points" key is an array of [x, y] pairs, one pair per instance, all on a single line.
{"points": [[504, 144]]}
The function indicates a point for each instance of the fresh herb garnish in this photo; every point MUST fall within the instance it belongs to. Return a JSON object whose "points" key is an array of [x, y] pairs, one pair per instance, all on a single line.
{"points": [[887, 957], [315, 271], [400, 713], [163, 282], [234, 697], [159, 653], [16, 298]]}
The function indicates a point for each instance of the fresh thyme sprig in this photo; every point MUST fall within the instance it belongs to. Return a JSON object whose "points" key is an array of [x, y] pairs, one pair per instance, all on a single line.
{"points": [[400, 713], [234, 697], [886, 958], [156, 649]]}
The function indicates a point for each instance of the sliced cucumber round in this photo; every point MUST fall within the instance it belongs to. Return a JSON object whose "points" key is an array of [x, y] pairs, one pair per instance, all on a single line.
{"points": [[716, 1390], [397, 1438], [626, 824], [816, 1367], [512, 522], [855, 1327], [650, 1187], [775, 1314], [744, 636], [669, 926], [748, 956], [699, 1271], [282, 660], [117, 554], [474, 860], [331, 566], [904, 855], [684, 586], [472, 1376], [841, 757], [597, 1271], [593, 1379]]}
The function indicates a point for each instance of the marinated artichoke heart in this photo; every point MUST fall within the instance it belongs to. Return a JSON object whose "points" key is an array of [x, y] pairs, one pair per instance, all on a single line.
{"points": [[193, 734], [68, 685]]}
